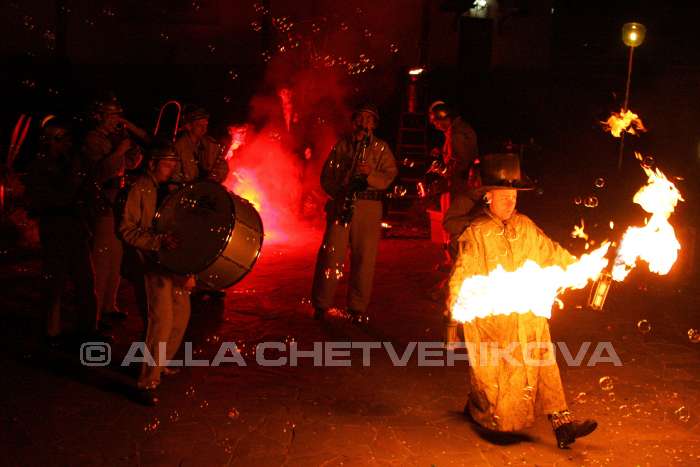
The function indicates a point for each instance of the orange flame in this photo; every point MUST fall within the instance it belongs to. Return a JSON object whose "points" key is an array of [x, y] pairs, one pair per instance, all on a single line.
{"points": [[656, 242], [530, 287], [578, 231], [626, 121]]}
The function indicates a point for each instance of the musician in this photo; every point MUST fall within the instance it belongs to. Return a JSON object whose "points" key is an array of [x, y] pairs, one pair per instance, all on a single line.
{"points": [[54, 183], [360, 163], [167, 293], [458, 154], [201, 157], [109, 150]]}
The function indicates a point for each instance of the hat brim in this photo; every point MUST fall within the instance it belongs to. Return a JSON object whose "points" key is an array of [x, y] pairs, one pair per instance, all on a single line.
{"points": [[518, 185]]}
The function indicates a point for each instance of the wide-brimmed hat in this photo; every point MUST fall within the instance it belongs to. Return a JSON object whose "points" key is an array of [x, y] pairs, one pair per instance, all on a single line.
{"points": [[502, 172]]}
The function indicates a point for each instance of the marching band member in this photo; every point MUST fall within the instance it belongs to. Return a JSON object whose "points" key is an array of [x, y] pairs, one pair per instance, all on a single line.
{"points": [[167, 293], [109, 151], [358, 170], [200, 155]]}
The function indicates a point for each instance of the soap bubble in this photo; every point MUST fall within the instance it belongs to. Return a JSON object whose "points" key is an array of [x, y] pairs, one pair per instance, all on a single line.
{"points": [[580, 398], [694, 336], [233, 413], [577, 200], [591, 202], [644, 326], [599, 182], [682, 413], [606, 383]]}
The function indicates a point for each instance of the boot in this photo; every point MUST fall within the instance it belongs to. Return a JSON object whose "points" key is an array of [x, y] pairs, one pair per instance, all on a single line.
{"points": [[566, 429], [357, 317]]}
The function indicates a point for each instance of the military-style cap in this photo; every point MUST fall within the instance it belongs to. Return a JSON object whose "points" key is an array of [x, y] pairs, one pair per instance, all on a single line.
{"points": [[369, 108], [195, 113]]}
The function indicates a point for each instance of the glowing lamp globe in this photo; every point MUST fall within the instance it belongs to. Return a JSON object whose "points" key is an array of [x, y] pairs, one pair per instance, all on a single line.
{"points": [[633, 34]]}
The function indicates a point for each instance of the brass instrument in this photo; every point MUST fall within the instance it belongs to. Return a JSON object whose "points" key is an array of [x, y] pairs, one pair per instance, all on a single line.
{"points": [[177, 120]]}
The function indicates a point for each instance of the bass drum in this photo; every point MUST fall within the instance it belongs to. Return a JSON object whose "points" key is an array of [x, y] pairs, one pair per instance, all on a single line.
{"points": [[220, 234]]}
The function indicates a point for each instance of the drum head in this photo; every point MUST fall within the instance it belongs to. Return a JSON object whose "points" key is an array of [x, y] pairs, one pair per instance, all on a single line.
{"points": [[201, 216]]}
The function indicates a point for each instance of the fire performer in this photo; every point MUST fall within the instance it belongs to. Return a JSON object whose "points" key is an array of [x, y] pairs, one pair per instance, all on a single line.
{"points": [[458, 155], [201, 157], [167, 293], [109, 151], [358, 170], [503, 393]]}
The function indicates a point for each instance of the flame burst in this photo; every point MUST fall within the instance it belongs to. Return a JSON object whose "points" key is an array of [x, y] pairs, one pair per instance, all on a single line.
{"points": [[656, 242], [626, 121], [530, 287], [579, 232]]}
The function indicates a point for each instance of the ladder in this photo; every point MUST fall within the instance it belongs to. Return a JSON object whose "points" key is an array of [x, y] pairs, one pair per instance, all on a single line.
{"points": [[411, 156]]}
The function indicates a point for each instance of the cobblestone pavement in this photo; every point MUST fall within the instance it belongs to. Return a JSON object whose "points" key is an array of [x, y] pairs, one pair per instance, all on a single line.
{"points": [[55, 412]]}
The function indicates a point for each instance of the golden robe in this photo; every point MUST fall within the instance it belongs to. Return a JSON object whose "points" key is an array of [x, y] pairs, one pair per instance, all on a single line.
{"points": [[505, 392]]}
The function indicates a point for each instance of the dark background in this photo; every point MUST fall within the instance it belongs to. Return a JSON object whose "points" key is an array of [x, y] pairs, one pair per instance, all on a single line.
{"points": [[540, 70]]}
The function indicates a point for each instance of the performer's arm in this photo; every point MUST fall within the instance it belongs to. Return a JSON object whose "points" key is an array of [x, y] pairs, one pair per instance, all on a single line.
{"points": [[130, 227], [104, 167], [550, 252], [467, 264], [381, 176], [464, 147], [329, 173], [217, 167]]}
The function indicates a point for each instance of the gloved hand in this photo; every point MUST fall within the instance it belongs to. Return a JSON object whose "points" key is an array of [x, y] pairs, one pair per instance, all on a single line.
{"points": [[358, 184]]}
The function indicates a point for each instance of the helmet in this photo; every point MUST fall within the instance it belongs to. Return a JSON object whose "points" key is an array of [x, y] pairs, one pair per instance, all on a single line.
{"points": [[439, 110], [195, 113], [163, 151], [54, 129], [107, 106], [369, 108]]}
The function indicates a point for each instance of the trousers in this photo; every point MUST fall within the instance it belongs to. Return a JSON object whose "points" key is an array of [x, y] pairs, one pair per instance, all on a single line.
{"points": [[362, 236], [168, 315]]}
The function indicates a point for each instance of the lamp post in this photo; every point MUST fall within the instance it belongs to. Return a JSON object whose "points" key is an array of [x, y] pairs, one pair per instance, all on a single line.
{"points": [[632, 35]]}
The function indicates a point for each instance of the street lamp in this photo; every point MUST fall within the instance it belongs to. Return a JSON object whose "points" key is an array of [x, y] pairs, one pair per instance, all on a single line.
{"points": [[633, 35]]}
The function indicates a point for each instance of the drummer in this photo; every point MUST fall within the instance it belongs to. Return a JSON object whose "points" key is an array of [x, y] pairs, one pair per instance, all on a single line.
{"points": [[167, 293]]}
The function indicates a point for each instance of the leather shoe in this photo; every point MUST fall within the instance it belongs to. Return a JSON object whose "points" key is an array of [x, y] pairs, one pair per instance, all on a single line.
{"points": [[357, 317], [567, 433]]}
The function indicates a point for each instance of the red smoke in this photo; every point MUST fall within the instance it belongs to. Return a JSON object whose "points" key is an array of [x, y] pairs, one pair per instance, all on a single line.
{"points": [[272, 169], [268, 176]]}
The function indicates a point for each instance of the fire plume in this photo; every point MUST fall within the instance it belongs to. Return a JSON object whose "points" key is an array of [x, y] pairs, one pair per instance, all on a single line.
{"points": [[529, 288], [656, 242], [579, 232], [624, 121]]}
